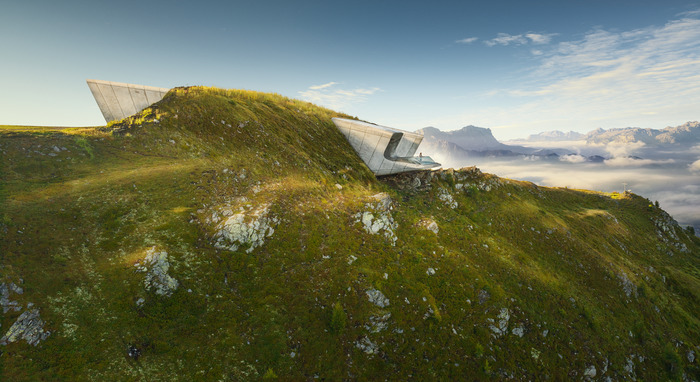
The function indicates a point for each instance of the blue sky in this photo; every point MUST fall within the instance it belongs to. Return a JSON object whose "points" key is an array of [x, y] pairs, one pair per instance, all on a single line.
{"points": [[513, 66]]}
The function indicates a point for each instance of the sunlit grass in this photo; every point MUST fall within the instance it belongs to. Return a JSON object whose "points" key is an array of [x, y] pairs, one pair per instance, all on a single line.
{"points": [[73, 225]]}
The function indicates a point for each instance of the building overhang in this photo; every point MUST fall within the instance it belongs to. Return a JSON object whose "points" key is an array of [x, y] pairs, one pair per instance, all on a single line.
{"points": [[385, 150], [118, 100]]}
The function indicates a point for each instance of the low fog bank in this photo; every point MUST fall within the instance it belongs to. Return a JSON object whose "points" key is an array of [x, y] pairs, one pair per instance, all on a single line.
{"points": [[672, 179]]}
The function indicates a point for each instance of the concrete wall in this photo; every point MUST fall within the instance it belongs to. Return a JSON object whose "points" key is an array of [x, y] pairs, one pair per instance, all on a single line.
{"points": [[371, 141], [119, 100]]}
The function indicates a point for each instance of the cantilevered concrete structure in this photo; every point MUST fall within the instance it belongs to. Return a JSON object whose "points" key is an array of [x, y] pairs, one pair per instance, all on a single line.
{"points": [[385, 150], [119, 100]]}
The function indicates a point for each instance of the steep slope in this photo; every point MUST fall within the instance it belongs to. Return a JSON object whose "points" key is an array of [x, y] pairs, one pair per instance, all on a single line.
{"points": [[235, 235]]}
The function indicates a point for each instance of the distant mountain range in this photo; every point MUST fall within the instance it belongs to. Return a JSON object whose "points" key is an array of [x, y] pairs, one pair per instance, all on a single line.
{"points": [[472, 141], [555, 136], [686, 134]]}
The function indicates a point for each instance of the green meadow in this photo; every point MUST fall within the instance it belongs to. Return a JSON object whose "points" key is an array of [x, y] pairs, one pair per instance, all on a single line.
{"points": [[258, 204]]}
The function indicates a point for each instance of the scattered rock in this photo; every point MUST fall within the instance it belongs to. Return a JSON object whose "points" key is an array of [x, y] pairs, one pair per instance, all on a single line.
{"points": [[366, 345], [534, 353], [483, 296], [378, 323], [156, 266], [29, 327], [627, 285], [430, 271], [133, 352], [691, 356], [629, 366], [519, 331], [246, 228], [378, 217], [5, 302], [590, 372], [447, 198], [377, 298], [429, 224], [501, 327]]}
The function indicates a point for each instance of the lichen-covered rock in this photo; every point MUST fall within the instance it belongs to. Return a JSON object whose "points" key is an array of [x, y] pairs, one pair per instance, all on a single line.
{"points": [[367, 346], [629, 365], [378, 323], [501, 327], [627, 285], [667, 230], [377, 298], [447, 198], [156, 266], [5, 302], [377, 218], [29, 327], [534, 353], [590, 372], [249, 228], [519, 331], [429, 224]]}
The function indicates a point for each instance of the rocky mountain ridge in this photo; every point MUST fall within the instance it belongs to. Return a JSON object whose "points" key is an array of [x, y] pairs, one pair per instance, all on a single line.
{"points": [[686, 134]]}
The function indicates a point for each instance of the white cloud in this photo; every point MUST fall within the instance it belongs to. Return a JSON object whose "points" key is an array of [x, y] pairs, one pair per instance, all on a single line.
{"points": [[572, 158], [623, 149], [646, 77], [690, 13], [468, 40], [506, 39], [318, 87], [520, 39], [695, 166], [329, 96], [634, 162], [538, 38]]}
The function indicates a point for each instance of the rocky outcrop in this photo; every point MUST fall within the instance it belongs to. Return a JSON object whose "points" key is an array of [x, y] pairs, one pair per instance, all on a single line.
{"points": [[377, 217], [29, 327], [5, 301], [245, 229], [156, 266], [377, 298], [627, 285], [447, 198], [367, 346], [500, 327], [667, 230], [429, 224]]}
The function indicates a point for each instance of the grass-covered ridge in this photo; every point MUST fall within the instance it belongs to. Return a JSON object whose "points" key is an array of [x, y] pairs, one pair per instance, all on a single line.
{"points": [[123, 238]]}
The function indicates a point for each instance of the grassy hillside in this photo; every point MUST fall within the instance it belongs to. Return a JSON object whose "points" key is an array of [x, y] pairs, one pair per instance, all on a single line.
{"points": [[235, 235]]}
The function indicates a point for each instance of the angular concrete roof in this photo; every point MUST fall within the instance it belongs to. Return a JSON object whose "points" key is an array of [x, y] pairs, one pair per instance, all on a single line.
{"points": [[119, 100], [385, 150]]}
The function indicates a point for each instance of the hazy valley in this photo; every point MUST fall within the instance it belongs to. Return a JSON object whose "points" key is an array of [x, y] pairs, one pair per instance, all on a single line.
{"points": [[663, 165]]}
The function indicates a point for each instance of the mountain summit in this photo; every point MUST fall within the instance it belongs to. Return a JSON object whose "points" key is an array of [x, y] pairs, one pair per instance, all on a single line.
{"points": [[469, 138]]}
